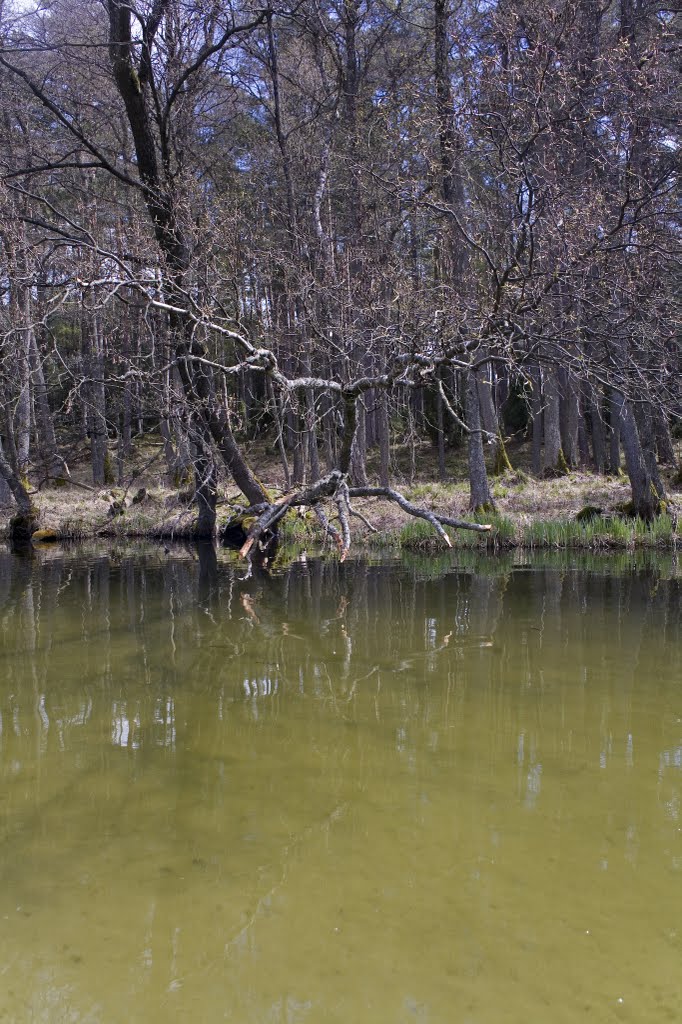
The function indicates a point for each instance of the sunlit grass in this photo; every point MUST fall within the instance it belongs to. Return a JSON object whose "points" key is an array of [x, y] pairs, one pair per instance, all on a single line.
{"points": [[599, 532], [418, 535]]}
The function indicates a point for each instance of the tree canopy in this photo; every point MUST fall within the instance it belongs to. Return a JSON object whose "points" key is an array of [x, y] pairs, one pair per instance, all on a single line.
{"points": [[338, 223]]}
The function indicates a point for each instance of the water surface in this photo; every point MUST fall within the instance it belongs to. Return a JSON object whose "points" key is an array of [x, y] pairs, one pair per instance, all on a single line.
{"points": [[438, 791]]}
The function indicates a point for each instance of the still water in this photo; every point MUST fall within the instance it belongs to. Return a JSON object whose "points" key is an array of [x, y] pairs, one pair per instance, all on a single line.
{"points": [[437, 791]]}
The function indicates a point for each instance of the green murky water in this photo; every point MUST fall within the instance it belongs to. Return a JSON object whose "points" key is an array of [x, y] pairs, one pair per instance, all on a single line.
{"points": [[437, 792]]}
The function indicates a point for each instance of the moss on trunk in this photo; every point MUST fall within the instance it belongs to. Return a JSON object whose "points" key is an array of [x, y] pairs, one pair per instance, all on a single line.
{"points": [[560, 467], [22, 526], [501, 463]]}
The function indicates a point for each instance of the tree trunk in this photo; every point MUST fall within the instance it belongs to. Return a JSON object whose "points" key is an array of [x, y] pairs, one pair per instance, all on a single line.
{"points": [[490, 420], [279, 426], [480, 498], [489, 417], [645, 499], [211, 424], [554, 462], [615, 404], [125, 429], [294, 445], [440, 428], [597, 430], [359, 451], [168, 447], [331, 453], [164, 205], [205, 477], [384, 442], [570, 418], [22, 410], [644, 415], [53, 465], [25, 522], [176, 445], [536, 419], [664, 439], [6, 496], [583, 438], [311, 435], [94, 397]]}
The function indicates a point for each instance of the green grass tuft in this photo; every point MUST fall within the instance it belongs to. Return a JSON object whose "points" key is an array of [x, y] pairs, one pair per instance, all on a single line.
{"points": [[418, 535], [599, 532]]}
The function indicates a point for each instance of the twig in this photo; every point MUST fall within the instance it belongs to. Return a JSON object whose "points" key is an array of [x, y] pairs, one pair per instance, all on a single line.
{"points": [[363, 519]]}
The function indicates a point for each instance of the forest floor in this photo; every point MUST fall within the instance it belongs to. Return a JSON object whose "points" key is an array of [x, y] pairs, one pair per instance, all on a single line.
{"points": [[529, 512]]}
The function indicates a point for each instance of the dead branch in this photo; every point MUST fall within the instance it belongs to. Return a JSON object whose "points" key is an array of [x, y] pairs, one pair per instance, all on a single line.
{"points": [[335, 486], [437, 519]]}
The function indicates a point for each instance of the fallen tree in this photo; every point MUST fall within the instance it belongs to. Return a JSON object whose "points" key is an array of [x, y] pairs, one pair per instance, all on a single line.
{"points": [[334, 486]]}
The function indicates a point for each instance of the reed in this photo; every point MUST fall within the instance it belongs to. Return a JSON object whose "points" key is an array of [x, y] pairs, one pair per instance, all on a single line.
{"points": [[599, 533], [418, 535]]}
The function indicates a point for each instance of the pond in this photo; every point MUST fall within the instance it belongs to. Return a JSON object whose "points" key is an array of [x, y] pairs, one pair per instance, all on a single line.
{"points": [[443, 790]]}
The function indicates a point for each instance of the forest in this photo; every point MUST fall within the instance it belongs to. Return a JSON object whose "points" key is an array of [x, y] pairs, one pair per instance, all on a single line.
{"points": [[337, 226]]}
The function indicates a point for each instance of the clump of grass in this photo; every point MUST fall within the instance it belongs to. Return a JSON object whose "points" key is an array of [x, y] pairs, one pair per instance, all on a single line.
{"points": [[503, 532], [615, 532], [418, 535], [431, 490], [383, 539], [297, 533], [75, 528], [659, 533], [295, 530], [554, 533], [599, 532], [132, 523], [502, 535]]}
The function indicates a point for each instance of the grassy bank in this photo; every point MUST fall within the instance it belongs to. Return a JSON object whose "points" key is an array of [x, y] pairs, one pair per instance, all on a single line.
{"points": [[599, 534], [577, 511]]}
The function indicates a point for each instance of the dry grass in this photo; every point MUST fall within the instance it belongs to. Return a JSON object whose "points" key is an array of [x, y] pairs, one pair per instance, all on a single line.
{"points": [[523, 503], [560, 498]]}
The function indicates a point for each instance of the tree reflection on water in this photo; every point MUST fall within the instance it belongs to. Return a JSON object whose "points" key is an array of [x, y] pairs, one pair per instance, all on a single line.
{"points": [[485, 742]]}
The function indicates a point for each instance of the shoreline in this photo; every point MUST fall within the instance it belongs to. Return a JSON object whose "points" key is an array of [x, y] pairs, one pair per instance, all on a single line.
{"points": [[579, 512]]}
